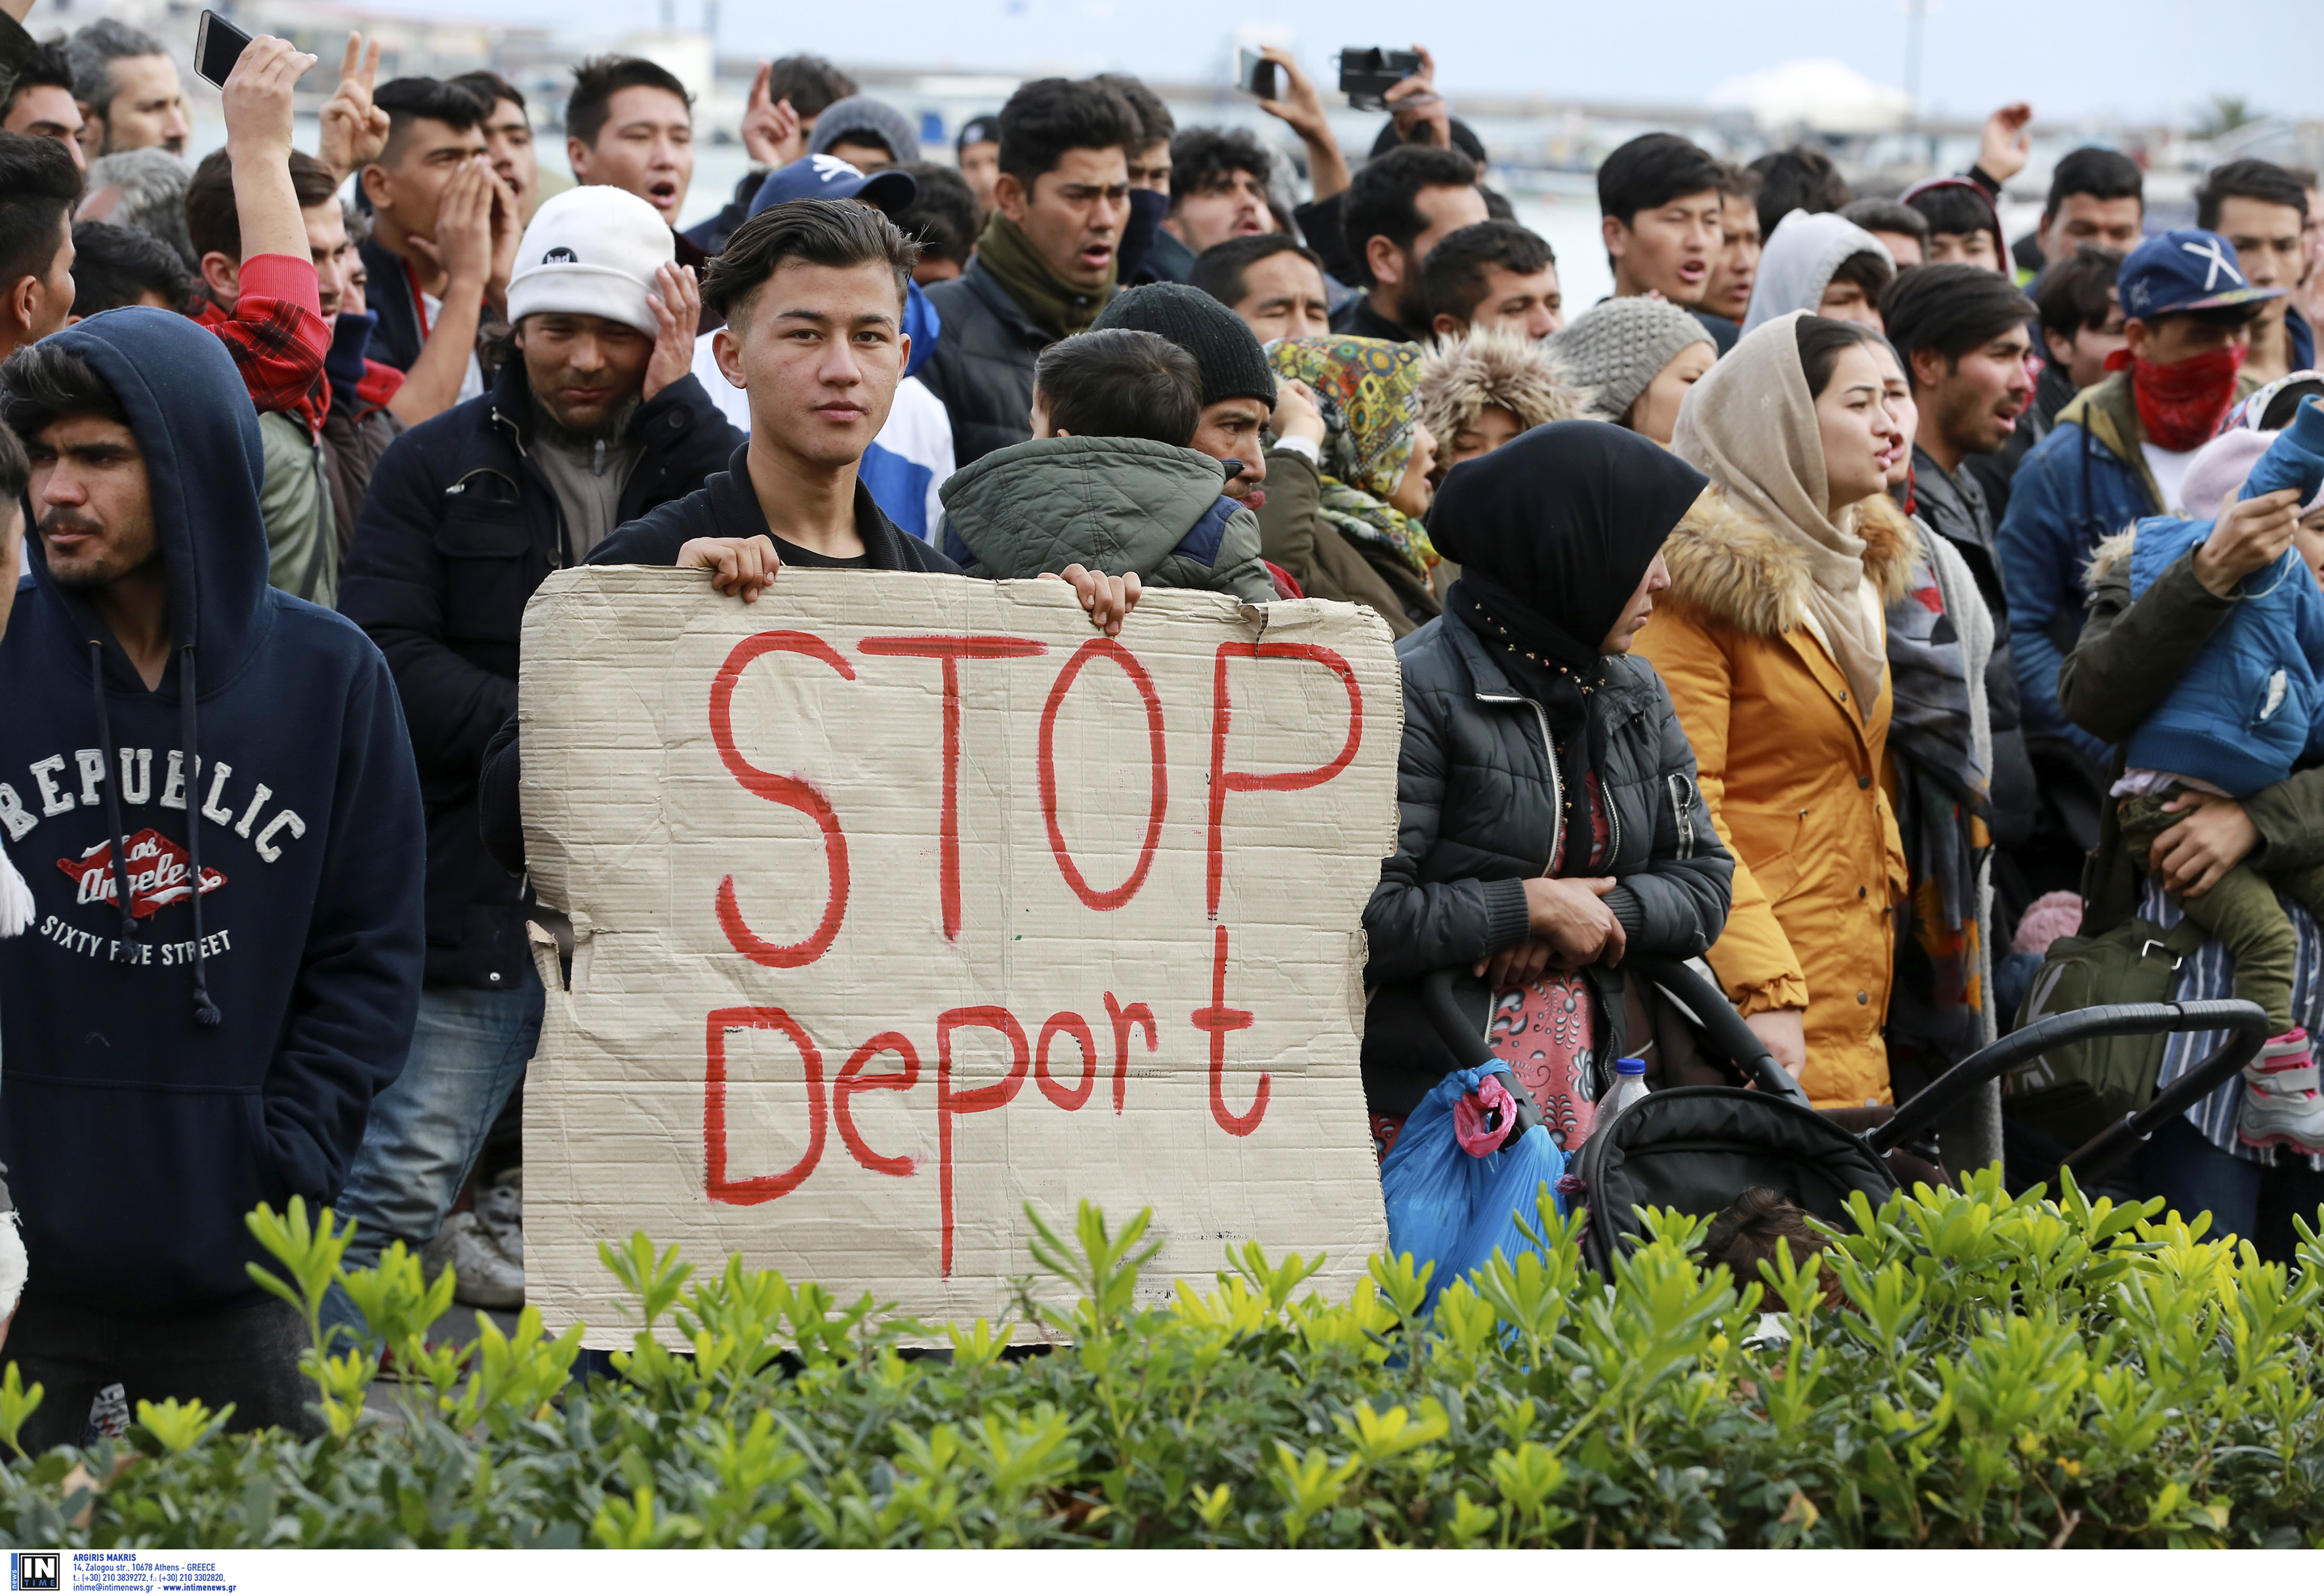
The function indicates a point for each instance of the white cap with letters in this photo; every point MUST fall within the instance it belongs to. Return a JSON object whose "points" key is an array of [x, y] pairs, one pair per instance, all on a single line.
{"points": [[592, 251]]}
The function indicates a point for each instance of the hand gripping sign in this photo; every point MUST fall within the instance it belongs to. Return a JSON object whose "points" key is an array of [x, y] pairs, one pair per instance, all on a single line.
{"points": [[900, 902]]}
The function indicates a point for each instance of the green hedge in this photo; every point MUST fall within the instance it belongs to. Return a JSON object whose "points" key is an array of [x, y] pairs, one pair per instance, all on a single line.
{"points": [[2009, 1373]]}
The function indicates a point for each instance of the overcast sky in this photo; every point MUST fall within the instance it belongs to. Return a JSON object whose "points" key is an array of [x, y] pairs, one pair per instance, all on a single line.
{"points": [[2074, 59]]}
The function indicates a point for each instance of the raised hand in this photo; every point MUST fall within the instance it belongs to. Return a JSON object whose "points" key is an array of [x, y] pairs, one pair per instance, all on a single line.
{"points": [[1422, 116], [2005, 147], [257, 97], [354, 130], [677, 304], [1300, 107], [770, 128]]}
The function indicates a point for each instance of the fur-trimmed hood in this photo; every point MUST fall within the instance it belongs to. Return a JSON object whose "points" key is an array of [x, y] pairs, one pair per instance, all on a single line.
{"points": [[2111, 558], [1726, 560], [1460, 377]]}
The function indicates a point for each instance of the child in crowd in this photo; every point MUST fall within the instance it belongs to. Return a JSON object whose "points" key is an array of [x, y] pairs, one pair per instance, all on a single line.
{"points": [[1744, 1235], [1108, 480], [1479, 390], [2250, 707]]}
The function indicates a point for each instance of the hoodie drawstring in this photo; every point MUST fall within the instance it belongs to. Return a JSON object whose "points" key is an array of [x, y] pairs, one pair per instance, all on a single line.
{"points": [[205, 1011], [112, 794]]}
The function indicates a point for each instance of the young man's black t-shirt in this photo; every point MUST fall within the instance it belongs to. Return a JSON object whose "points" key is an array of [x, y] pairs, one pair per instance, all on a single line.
{"points": [[727, 506], [794, 554]]}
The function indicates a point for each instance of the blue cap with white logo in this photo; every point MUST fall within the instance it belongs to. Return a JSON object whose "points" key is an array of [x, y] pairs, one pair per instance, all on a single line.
{"points": [[827, 176], [2185, 269]]}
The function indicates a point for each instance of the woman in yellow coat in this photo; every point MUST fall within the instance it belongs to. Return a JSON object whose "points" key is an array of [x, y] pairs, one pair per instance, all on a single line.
{"points": [[1773, 644]]}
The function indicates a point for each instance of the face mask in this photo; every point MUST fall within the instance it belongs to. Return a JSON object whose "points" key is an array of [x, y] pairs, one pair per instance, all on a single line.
{"points": [[2181, 405]]}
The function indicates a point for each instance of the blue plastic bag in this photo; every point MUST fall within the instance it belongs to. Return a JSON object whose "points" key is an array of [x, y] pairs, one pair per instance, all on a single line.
{"points": [[1448, 1207]]}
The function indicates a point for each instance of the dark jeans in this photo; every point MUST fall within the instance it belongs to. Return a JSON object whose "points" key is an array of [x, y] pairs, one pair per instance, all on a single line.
{"points": [[469, 1055], [2242, 1198], [248, 1356]]}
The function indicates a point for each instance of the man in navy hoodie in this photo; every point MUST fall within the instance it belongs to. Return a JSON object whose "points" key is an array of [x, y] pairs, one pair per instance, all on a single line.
{"points": [[208, 785]]}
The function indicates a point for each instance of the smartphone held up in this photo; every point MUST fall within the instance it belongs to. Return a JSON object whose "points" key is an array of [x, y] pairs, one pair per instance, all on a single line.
{"points": [[217, 45], [1256, 75]]}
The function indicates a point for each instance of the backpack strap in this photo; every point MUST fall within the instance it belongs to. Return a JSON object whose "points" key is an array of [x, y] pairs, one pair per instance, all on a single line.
{"points": [[2185, 938]]}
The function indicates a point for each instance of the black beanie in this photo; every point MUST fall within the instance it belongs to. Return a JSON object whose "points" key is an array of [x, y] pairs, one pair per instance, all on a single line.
{"points": [[1225, 352]]}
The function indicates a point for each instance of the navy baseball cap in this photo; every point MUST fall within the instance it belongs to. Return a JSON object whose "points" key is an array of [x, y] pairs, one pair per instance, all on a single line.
{"points": [[2185, 269], [827, 176]]}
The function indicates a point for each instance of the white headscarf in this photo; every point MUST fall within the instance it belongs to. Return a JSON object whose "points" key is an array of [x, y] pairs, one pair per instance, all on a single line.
{"points": [[1750, 426]]}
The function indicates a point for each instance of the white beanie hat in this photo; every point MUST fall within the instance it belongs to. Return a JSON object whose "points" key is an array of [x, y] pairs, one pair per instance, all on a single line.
{"points": [[592, 251]]}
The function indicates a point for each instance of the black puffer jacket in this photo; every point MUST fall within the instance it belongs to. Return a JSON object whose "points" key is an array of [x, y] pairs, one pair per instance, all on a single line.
{"points": [[459, 529], [1478, 792], [983, 369]]}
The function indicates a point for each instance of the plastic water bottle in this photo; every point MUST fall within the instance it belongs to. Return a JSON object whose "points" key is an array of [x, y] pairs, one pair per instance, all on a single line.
{"points": [[1629, 1087]]}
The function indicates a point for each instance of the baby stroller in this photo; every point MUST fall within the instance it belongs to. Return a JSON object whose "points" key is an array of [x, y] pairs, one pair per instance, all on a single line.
{"points": [[1695, 1148]]}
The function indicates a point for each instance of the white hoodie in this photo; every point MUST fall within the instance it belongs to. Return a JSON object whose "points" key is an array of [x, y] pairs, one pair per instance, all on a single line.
{"points": [[1797, 264]]}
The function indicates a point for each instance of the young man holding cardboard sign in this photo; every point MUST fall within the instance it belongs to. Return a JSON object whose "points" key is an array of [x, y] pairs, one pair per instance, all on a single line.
{"points": [[812, 293]]}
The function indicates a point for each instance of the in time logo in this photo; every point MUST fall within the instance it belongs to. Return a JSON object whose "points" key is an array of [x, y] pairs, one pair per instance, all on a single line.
{"points": [[35, 1571], [158, 873]]}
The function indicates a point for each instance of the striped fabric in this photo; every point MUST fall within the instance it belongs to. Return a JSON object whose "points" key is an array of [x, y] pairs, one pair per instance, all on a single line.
{"points": [[2210, 973]]}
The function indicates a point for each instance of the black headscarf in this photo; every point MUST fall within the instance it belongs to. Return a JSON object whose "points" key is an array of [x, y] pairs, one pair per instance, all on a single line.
{"points": [[1553, 531]]}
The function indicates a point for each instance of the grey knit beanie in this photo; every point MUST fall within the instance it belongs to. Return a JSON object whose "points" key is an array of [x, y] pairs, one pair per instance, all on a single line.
{"points": [[1615, 348], [860, 113], [1225, 350]]}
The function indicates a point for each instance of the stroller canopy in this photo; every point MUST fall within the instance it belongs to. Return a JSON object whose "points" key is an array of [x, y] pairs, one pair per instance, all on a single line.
{"points": [[1693, 1149]]}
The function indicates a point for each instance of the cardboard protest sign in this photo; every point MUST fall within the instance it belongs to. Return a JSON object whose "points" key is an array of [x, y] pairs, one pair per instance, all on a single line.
{"points": [[900, 902]]}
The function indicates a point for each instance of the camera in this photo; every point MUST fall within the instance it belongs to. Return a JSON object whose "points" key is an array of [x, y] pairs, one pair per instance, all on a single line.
{"points": [[1367, 75]]}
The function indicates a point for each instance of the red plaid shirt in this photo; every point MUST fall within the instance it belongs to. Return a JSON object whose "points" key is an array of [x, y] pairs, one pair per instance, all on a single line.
{"points": [[278, 337]]}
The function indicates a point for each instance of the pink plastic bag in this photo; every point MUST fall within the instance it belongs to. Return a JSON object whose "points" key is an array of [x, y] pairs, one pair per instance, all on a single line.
{"points": [[1482, 1118]]}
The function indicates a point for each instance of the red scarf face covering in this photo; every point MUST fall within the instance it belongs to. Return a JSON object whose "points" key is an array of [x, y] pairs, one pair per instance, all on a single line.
{"points": [[2181, 405]]}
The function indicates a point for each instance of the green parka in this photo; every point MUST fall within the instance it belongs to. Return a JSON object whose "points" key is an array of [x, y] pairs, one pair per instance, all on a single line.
{"points": [[1114, 505]]}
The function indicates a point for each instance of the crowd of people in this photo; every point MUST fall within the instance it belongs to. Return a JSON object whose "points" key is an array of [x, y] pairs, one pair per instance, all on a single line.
{"points": [[1833, 602]]}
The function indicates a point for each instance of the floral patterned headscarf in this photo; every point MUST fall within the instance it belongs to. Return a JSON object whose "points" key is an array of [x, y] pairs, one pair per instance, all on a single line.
{"points": [[1370, 394]]}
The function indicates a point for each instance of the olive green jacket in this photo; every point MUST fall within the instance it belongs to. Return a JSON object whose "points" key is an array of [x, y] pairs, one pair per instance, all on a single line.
{"points": [[2130, 657], [1326, 562], [294, 499]]}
